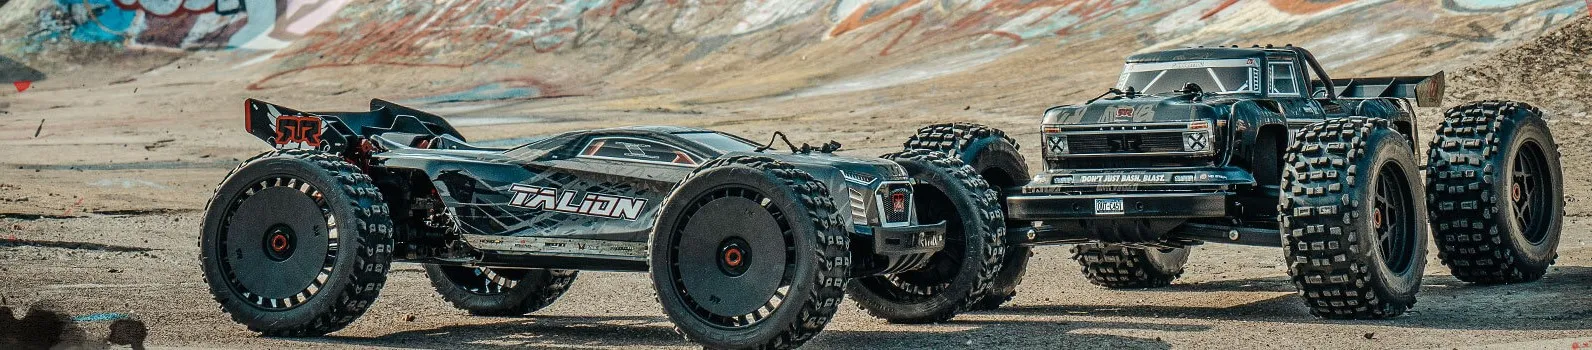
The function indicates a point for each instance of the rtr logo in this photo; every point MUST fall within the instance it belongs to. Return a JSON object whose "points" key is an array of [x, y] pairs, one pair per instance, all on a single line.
{"points": [[300, 130], [1124, 114], [567, 201]]}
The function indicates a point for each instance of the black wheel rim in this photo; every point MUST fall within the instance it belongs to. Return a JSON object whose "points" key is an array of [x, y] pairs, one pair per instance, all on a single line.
{"points": [[484, 280], [734, 257], [278, 243], [943, 267], [1529, 181], [1393, 218]]}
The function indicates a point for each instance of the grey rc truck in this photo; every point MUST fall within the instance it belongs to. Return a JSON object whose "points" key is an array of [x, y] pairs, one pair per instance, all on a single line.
{"points": [[1258, 146], [747, 247]]}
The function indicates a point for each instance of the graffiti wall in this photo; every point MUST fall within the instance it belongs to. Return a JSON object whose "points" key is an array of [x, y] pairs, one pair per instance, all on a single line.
{"points": [[655, 35], [182, 24]]}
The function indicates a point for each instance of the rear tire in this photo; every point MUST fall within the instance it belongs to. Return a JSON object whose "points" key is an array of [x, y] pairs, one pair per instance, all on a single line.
{"points": [[959, 275], [1122, 267], [499, 292], [296, 244], [749, 252], [994, 156], [1497, 192], [1353, 221]]}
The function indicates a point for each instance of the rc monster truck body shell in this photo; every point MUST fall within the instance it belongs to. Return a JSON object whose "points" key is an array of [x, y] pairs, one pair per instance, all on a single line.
{"points": [[1176, 153], [578, 200]]}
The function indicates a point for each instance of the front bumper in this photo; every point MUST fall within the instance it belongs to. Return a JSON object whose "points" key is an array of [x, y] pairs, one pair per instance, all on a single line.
{"points": [[907, 240], [1167, 205]]}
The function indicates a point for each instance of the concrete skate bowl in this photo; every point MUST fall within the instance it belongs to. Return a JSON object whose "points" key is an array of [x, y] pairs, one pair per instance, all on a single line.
{"points": [[858, 71]]}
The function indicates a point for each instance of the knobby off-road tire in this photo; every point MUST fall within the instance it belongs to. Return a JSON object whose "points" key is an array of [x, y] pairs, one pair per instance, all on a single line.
{"points": [[1354, 224], [1497, 195], [296, 243], [749, 252], [1118, 266], [487, 291], [994, 156], [959, 275]]}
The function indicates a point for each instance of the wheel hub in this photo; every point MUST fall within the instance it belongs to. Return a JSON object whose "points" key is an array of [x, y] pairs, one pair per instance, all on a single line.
{"points": [[1392, 218], [732, 260], [279, 242], [734, 256], [1528, 186]]}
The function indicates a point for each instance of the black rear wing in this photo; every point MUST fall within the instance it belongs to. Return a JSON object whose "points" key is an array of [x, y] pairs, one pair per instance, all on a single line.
{"points": [[287, 128], [1427, 91]]}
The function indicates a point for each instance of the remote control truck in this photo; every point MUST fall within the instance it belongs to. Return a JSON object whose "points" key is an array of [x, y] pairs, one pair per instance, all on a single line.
{"points": [[747, 247], [1259, 146]]}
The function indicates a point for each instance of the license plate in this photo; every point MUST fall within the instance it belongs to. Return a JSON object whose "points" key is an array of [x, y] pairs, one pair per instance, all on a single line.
{"points": [[1108, 206]]}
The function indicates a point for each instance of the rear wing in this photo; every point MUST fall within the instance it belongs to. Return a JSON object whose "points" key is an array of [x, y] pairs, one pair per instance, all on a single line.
{"points": [[1427, 91], [287, 128]]}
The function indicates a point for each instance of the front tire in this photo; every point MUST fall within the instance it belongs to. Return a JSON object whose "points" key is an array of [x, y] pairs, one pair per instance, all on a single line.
{"points": [[959, 275], [1497, 192], [296, 244], [1122, 267], [749, 252], [993, 155], [487, 291], [1353, 221]]}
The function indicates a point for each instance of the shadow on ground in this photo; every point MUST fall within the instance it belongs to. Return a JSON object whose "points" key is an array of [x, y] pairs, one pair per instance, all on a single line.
{"points": [[533, 331], [1557, 302], [634, 331]]}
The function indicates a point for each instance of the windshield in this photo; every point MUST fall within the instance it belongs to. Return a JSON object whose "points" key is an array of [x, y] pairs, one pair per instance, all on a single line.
{"points": [[720, 141], [1218, 76]]}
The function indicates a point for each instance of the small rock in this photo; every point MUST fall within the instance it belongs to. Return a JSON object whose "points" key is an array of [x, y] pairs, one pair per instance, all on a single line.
{"points": [[409, 318], [114, 271], [1370, 336]]}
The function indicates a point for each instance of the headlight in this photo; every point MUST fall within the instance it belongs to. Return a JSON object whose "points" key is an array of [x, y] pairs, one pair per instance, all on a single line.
{"points": [[1055, 145], [1197, 141]]}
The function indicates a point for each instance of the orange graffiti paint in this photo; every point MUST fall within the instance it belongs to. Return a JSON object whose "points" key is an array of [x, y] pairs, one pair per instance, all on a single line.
{"points": [[1224, 6], [860, 18], [1305, 7]]}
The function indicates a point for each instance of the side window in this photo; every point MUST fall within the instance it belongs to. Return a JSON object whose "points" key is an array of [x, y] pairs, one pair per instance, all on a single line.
{"points": [[1283, 81], [635, 149]]}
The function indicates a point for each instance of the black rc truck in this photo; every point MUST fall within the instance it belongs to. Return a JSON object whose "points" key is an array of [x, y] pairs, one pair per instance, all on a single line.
{"points": [[1258, 146], [747, 247]]}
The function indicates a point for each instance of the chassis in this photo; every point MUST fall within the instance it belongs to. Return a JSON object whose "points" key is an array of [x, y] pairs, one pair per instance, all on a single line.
{"points": [[1258, 146], [747, 247]]}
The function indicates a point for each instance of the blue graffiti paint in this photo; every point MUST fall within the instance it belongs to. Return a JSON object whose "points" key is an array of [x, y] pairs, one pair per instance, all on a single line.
{"points": [[100, 317], [97, 20]]}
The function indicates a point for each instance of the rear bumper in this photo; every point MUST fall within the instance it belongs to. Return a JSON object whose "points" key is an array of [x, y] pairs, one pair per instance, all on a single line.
{"points": [[1174, 205]]}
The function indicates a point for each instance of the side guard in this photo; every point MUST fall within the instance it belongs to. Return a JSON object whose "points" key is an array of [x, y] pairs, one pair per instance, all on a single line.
{"points": [[1427, 91]]}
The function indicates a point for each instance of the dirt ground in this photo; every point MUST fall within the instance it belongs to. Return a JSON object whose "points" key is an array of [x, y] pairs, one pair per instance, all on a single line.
{"points": [[105, 166], [1230, 297]]}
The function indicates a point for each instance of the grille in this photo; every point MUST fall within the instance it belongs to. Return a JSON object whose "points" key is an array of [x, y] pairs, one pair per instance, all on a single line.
{"points": [[895, 212], [1155, 142]]}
